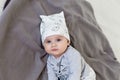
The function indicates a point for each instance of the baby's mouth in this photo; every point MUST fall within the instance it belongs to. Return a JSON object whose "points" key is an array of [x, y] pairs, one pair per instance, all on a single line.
{"points": [[54, 49]]}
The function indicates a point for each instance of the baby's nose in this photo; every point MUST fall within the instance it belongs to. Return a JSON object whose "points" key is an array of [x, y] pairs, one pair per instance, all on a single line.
{"points": [[53, 44]]}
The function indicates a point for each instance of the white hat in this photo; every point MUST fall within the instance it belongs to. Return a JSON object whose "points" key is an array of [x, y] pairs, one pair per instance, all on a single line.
{"points": [[53, 25]]}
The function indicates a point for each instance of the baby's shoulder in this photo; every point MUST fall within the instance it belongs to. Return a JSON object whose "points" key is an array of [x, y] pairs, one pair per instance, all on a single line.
{"points": [[71, 51]]}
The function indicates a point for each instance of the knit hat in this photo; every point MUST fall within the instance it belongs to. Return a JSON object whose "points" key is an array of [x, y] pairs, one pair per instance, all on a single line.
{"points": [[53, 25]]}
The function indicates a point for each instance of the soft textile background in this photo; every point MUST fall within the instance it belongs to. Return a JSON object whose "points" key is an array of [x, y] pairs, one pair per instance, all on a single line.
{"points": [[107, 14], [108, 17]]}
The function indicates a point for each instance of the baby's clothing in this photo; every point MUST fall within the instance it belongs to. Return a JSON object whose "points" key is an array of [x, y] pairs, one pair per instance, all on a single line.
{"points": [[70, 66]]}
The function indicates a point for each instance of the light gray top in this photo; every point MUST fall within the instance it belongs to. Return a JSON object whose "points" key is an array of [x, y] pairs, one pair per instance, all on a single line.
{"points": [[70, 66]]}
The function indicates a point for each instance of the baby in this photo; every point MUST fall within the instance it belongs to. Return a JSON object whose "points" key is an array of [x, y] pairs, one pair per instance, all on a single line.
{"points": [[64, 61]]}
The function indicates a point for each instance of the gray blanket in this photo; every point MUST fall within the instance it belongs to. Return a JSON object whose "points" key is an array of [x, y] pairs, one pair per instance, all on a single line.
{"points": [[21, 54]]}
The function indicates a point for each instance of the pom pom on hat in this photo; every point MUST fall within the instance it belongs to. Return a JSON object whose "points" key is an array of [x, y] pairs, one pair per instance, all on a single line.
{"points": [[53, 25]]}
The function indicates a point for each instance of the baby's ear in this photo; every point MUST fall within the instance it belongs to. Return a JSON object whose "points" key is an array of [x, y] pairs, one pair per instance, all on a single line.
{"points": [[68, 42]]}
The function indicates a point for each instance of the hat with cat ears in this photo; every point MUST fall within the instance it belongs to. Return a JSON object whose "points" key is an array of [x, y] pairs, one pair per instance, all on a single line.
{"points": [[54, 24]]}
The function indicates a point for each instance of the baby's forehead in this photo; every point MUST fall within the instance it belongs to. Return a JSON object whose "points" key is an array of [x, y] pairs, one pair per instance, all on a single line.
{"points": [[54, 36]]}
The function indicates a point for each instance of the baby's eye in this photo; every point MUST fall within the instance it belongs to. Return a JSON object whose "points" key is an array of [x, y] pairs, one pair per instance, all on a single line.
{"points": [[58, 40], [48, 41]]}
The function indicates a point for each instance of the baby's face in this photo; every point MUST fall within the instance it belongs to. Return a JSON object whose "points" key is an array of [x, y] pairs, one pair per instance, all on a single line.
{"points": [[56, 45]]}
